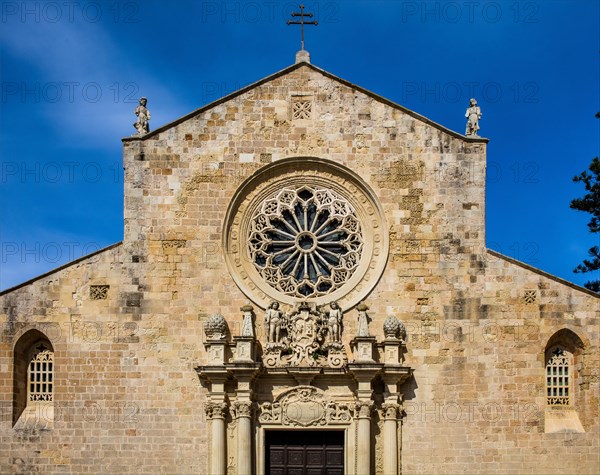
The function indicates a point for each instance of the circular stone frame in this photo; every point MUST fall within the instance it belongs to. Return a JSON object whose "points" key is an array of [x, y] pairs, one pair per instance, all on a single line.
{"points": [[294, 172]]}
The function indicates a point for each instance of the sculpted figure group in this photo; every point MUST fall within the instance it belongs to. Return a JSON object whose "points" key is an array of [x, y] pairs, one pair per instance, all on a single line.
{"points": [[308, 335], [276, 321]]}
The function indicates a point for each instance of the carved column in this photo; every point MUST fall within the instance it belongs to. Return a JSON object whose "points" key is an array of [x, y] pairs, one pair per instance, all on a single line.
{"points": [[216, 411], [363, 374], [363, 410], [390, 438], [393, 375], [244, 374], [243, 414]]}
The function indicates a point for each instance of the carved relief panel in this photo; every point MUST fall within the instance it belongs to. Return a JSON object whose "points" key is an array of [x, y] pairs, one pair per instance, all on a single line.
{"points": [[305, 406], [307, 336]]}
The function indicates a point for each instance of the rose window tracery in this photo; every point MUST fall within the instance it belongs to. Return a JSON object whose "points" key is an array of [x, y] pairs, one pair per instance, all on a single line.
{"points": [[305, 241]]}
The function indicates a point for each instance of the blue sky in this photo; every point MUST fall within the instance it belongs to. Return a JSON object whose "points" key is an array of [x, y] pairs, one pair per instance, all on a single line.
{"points": [[71, 74]]}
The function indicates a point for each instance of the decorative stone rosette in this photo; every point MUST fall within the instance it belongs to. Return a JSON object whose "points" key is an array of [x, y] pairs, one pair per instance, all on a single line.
{"points": [[305, 241]]}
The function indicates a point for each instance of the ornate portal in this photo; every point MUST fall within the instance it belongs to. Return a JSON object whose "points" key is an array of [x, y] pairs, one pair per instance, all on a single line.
{"points": [[306, 240], [302, 382]]}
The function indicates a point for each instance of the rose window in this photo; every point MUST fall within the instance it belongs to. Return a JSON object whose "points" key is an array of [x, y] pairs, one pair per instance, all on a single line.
{"points": [[305, 242]]}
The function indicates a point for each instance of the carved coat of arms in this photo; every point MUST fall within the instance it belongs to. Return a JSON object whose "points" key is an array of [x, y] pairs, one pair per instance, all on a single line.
{"points": [[304, 406], [307, 336]]}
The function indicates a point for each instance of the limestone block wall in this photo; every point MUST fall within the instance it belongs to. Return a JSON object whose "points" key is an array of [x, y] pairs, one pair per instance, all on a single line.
{"points": [[126, 397], [477, 403]]}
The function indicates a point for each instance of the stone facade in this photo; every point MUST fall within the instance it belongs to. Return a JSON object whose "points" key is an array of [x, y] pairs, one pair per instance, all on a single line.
{"points": [[126, 324]]}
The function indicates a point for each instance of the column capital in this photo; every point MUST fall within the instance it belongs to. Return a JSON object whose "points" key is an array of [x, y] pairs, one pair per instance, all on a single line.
{"points": [[391, 411], [364, 409], [243, 409], [215, 410]]}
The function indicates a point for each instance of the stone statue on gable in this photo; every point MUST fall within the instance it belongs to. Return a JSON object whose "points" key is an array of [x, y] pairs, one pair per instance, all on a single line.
{"points": [[142, 124], [473, 115]]}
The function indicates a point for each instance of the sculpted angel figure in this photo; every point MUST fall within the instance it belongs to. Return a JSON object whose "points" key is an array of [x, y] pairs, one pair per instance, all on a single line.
{"points": [[273, 321], [473, 115], [334, 322], [143, 117]]}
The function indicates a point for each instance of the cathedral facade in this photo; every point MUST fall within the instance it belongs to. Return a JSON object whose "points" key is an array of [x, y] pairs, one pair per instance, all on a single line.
{"points": [[303, 287]]}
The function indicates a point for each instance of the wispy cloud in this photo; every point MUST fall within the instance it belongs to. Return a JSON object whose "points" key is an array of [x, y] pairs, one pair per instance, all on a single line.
{"points": [[82, 83]]}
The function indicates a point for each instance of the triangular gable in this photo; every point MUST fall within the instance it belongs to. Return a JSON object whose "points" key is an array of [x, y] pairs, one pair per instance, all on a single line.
{"points": [[288, 70], [535, 270], [60, 268]]}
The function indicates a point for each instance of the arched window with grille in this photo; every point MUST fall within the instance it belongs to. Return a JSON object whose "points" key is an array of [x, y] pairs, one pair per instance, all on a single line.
{"points": [[562, 373], [33, 381]]}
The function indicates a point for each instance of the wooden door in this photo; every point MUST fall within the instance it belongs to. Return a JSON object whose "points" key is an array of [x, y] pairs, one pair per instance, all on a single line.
{"points": [[304, 452]]}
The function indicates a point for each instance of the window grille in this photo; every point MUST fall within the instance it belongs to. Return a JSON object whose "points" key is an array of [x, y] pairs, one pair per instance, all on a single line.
{"points": [[39, 377], [558, 378]]}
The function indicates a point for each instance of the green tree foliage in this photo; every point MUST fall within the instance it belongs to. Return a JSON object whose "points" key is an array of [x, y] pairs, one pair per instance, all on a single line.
{"points": [[590, 203]]}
